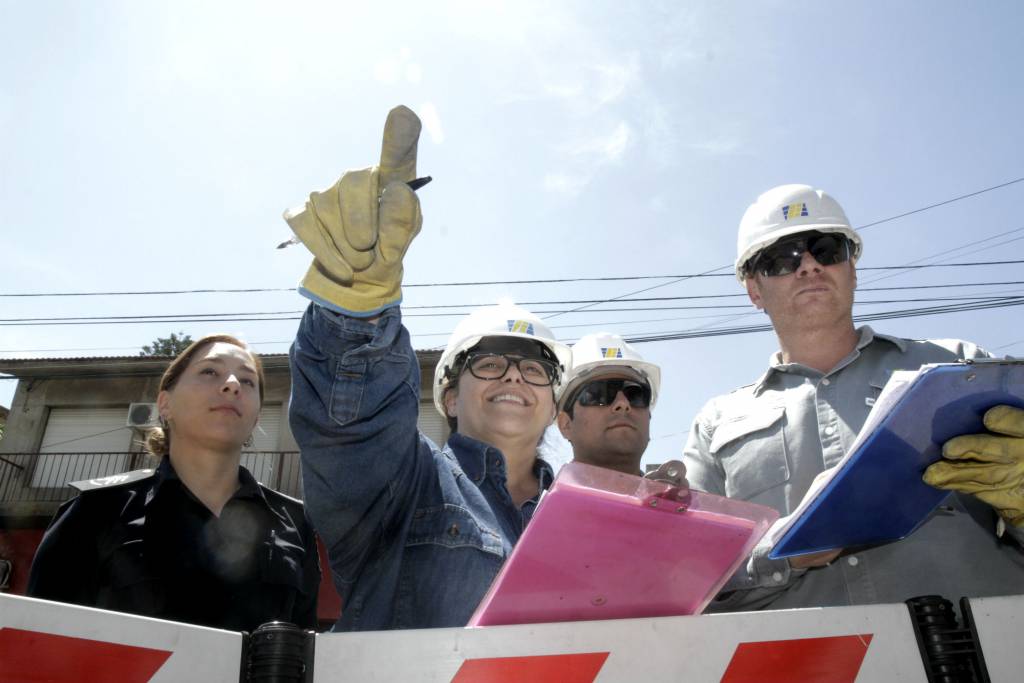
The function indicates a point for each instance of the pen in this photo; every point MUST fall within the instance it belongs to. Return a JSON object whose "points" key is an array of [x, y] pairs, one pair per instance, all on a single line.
{"points": [[414, 184]]}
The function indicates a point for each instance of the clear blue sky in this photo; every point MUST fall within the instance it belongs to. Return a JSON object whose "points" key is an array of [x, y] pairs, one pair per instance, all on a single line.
{"points": [[153, 146]]}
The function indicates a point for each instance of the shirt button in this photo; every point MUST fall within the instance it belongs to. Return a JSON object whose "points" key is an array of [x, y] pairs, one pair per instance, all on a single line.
{"points": [[829, 431], [852, 559], [777, 577], [453, 530], [826, 381]]}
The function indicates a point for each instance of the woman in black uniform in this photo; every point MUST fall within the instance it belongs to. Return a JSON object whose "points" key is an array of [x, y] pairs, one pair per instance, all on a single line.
{"points": [[197, 540]]}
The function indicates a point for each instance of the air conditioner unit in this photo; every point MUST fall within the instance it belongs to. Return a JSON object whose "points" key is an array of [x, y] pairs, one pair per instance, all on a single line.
{"points": [[143, 415]]}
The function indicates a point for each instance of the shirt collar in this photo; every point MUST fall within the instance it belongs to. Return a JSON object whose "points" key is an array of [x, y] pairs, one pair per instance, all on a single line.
{"points": [[865, 337], [248, 486], [164, 473], [476, 458], [545, 473], [471, 455]]}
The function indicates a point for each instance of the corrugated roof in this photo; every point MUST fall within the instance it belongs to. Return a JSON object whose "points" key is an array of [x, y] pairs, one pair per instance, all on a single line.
{"points": [[77, 359], [138, 365]]}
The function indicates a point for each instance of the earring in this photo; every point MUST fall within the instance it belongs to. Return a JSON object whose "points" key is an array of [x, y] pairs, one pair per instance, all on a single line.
{"points": [[248, 442]]}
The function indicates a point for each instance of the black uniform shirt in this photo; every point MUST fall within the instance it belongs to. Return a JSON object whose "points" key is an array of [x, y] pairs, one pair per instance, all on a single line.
{"points": [[150, 547]]}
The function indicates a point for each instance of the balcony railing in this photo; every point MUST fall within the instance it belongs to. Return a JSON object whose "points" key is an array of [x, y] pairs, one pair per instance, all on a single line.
{"points": [[44, 477]]}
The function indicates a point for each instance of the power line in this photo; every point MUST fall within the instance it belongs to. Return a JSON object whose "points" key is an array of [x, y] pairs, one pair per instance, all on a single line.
{"points": [[884, 220], [1006, 346], [916, 264], [528, 282], [229, 316], [296, 315], [696, 333], [965, 245], [212, 317], [589, 304], [884, 315], [708, 273], [639, 291], [952, 284], [673, 278], [943, 203]]}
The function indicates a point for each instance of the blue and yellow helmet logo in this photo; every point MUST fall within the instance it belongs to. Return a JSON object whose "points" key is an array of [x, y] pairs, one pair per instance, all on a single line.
{"points": [[794, 210], [521, 326], [611, 352]]}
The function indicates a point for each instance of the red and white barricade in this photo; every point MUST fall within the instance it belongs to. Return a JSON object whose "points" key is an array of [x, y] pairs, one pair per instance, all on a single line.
{"points": [[847, 644], [57, 643], [43, 641]]}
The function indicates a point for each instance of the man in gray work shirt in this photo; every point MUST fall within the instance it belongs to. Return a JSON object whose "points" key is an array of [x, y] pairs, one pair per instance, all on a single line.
{"points": [[766, 442]]}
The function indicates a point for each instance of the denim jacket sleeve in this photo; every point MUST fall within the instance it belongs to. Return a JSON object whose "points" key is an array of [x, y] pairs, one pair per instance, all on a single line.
{"points": [[354, 404]]}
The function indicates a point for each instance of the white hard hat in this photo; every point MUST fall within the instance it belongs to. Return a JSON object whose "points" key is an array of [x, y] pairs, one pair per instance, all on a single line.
{"points": [[787, 210], [603, 353], [500, 320]]}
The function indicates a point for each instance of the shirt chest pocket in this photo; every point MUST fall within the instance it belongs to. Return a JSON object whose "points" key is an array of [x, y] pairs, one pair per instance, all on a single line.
{"points": [[131, 582], [449, 561], [752, 451], [452, 526]]}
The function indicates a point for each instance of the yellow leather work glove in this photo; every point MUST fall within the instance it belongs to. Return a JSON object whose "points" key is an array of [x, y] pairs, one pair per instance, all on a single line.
{"points": [[989, 466], [359, 228]]}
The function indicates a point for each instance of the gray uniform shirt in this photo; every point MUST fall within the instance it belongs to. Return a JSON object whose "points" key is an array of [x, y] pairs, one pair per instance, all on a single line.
{"points": [[766, 443]]}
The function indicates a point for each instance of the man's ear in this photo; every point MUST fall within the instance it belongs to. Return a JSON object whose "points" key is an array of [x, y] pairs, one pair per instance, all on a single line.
{"points": [[754, 292], [565, 425]]}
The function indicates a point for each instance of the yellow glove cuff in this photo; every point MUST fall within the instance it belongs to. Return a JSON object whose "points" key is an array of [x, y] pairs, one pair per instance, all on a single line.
{"points": [[363, 301]]}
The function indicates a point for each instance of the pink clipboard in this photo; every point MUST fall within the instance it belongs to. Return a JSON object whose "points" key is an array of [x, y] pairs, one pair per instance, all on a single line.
{"points": [[604, 545]]}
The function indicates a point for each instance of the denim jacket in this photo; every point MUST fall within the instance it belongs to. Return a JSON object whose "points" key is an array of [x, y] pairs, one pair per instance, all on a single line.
{"points": [[415, 534]]}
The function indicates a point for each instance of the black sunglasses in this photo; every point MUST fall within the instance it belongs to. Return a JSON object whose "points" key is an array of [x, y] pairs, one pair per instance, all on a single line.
{"points": [[784, 257], [602, 392]]}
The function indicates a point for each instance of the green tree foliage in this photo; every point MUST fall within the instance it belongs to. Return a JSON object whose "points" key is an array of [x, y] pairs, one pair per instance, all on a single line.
{"points": [[167, 346]]}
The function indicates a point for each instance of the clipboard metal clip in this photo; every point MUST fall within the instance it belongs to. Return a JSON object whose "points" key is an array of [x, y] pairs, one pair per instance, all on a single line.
{"points": [[670, 500], [674, 498]]}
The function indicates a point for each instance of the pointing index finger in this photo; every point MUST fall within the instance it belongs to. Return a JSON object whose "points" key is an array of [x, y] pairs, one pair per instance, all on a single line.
{"points": [[398, 150]]}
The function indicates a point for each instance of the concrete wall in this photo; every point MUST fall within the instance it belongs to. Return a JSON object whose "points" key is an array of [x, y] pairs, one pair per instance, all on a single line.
{"points": [[34, 398]]}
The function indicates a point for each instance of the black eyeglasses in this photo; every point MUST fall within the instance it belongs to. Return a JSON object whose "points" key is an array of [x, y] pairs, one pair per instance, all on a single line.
{"points": [[784, 257], [602, 392], [535, 371]]}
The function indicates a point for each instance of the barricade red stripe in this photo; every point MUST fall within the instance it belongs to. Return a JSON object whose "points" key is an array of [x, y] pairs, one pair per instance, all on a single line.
{"points": [[836, 659], [29, 656], [574, 668]]}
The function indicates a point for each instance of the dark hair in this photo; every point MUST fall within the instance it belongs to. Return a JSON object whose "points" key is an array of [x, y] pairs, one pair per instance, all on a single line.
{"points": [[454, 372], [158, 441]]}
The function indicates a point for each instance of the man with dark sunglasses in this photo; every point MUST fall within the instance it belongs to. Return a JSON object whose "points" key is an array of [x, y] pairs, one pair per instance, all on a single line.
{"points": [[605, 407], [766, 442]]}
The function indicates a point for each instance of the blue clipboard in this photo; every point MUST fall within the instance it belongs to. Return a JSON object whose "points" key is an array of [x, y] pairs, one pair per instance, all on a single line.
{"points": [[878, 496]]}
